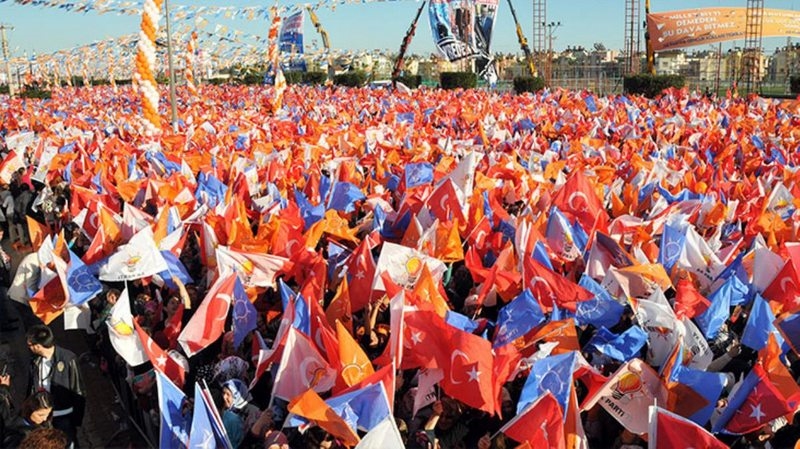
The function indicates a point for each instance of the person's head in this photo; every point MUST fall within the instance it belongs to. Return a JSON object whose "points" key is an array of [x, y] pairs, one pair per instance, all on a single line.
{"points": [[40, 340], [45, 438], [112, 295], [173, 304], [235, 394], [452, 413], [37, 408]]}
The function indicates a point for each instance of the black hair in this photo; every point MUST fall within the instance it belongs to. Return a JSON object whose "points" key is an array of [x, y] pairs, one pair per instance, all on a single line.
{"points": [[41, 335], [37, 401]]}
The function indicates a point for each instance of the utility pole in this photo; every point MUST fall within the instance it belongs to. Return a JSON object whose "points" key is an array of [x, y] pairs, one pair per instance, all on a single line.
{"points": [[173, 107], [551, 30], [3, 28]]}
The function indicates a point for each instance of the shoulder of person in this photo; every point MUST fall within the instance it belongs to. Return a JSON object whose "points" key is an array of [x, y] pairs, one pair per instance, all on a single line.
{"points": [[64, 354]]}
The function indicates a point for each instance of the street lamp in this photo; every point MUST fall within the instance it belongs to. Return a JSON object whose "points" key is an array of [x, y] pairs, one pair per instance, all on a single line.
{"points": [[550, 29]]}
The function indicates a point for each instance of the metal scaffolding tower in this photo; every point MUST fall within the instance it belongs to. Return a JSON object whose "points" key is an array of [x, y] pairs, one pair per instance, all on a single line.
{"points": [[539, 36], [633, 33], [750, 75]]}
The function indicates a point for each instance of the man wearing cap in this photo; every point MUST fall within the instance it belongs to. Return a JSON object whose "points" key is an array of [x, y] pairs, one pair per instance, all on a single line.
{"points": [[55, 369]]}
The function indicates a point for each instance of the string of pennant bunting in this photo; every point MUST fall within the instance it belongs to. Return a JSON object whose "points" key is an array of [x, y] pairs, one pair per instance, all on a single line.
{"points": [[183, 12]]}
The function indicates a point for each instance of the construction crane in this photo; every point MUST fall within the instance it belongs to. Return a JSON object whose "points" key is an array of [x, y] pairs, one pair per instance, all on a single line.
{"points": [[326, 43], [523, 43], [398, 64]]}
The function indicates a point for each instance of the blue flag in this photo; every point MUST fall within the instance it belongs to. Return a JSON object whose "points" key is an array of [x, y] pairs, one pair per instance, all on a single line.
{"points": [[174, 268], [622, 347], [541, 256], [362, 409], [707, 384], [210, 190], [344, 195], [517, 318], [551, 374], [417, 174], [461, 322], [370, 405], [244, 314], [207, 429], [302, 313], [337, 256], [590, 103], [82, 285], [672, 241], [311, 214], [789, 327], [759, 325], [600, 311], [733, 291], [174, 425]]}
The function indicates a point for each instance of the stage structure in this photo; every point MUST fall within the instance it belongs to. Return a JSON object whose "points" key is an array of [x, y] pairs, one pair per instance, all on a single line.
{"points": [[539, 36], [633, 33], [751, 60]]}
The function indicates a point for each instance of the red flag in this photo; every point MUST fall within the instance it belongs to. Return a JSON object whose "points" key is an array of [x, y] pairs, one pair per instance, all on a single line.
{"points": [[160, 359], [443, 203], [578, 201], [172, 327], [208, 322], [361, 268], [540, 425], [551, 288], [671, 431], [468, 371], [426, 340], [688, 301], [785, 288], [763, 404]]}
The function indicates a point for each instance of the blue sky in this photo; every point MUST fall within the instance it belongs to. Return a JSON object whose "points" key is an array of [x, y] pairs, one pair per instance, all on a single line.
{"points": [[359, 26]]}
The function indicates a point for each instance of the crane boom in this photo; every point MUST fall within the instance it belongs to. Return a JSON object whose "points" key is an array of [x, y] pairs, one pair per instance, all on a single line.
{"points": [[398, 64], [326, 43], [523, 43]]}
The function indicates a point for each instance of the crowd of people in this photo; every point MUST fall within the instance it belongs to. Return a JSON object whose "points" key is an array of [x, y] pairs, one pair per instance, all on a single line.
{"points": [[486, 260]]}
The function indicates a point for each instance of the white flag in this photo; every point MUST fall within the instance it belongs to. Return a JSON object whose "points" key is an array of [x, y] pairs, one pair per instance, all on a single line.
{"points": [[137, 259], [404, 265], [122, 334], [383, 436]]}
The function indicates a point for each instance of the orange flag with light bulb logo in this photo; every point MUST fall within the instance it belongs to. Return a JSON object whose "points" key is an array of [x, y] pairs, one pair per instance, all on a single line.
{"points": [[355, 364]]}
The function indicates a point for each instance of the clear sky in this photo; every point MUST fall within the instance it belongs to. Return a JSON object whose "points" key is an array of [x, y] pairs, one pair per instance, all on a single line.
{"points": [[354, 26]]}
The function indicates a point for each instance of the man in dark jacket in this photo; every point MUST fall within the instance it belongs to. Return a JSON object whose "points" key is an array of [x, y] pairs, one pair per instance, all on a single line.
{"points": [[56, 370], [7, 411]]}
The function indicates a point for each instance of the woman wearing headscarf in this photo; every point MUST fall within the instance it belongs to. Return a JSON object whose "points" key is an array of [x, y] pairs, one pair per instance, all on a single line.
{"points": [[236, 398]]}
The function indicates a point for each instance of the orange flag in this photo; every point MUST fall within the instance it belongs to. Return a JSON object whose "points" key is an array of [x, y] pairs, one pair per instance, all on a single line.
{"points": [[48, 303], [355, 363], [428, 288], [448, 243], [37, 231], [310, 405], [562, 331], [339, 308]]}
